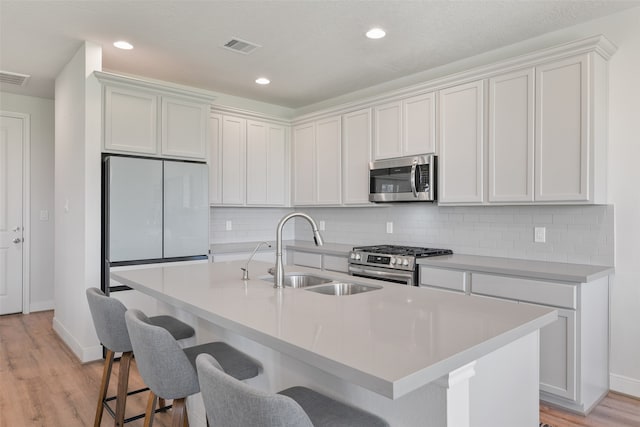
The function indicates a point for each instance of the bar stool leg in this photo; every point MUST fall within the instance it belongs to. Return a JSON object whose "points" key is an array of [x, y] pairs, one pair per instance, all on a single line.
{"points": [[151, 409], [179, 413], [123, 386], [104, 387]]}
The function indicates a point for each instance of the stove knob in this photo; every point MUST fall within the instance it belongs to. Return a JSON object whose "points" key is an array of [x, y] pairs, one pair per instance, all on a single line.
{"points": [[393, 261], [353, 256], [405, 262], [358, 257]]}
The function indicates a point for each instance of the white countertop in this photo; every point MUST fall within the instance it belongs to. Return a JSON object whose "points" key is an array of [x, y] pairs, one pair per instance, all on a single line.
{"points": [[391, 341], [556, 271]]}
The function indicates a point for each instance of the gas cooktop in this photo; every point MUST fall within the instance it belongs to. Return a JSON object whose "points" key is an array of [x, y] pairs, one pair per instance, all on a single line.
{"points": [[413, 251]]}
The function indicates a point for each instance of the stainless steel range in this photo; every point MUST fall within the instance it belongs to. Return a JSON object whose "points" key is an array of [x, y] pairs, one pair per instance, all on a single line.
{"points": [[390, 262]]}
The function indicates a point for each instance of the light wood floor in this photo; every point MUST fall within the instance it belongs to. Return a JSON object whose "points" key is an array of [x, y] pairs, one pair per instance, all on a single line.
{"points": [[43, 384]]}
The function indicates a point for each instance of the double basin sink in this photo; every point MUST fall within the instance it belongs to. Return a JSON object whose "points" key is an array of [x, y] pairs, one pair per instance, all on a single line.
{"points": [[322, 285]]}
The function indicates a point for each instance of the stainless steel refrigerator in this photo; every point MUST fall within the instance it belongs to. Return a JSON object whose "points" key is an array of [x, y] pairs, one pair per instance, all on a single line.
{"points": [[153, 211]]}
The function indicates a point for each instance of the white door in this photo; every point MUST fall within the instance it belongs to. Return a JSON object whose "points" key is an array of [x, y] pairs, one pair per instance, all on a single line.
{"points": [[11, 223]]}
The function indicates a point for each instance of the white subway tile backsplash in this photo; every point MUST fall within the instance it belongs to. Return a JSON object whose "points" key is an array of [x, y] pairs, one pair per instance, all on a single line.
{"points": [[582, 234]]}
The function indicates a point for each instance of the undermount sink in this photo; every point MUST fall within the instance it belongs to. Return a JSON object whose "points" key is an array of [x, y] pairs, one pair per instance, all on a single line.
{"points": [[341, 288], [302, 280]]}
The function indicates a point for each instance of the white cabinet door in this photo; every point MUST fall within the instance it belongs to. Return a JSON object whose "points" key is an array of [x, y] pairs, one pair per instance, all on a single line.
{"points": [[130, 120], [356, 155], [266, 164], [215, 159], [388, 130], [558, 355], [461, 144], [562, 130], [419, 125], [511, 124], [233, 160], [184, 128], [304, 165], [328, 161]]}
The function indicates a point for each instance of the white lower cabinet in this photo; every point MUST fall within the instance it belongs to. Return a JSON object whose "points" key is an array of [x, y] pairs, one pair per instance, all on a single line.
{"points": [[317, 260], [574, 361]]}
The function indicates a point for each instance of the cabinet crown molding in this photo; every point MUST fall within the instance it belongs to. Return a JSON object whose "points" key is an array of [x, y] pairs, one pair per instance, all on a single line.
{"points": [[110, 78], [597, 43]]}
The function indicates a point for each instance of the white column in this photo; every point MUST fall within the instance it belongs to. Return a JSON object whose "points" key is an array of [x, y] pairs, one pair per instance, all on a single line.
{"points": [[455, 387]]}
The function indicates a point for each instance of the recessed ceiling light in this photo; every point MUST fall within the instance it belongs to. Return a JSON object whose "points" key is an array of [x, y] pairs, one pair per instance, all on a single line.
{"points": [[123, 45], [376, 33], [263, 81]]}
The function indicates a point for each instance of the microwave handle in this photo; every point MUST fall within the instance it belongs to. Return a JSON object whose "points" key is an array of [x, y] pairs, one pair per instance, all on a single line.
{"points": [[414, 166]]}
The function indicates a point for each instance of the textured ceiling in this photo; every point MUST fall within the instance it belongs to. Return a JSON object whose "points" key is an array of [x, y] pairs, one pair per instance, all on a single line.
{"points": [[311, 50]]}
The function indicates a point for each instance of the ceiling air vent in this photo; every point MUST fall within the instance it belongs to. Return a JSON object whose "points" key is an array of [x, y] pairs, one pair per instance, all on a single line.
{"points": [[241, 46], [13, 78]]}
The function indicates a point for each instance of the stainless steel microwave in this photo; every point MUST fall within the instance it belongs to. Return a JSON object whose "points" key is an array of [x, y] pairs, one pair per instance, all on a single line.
{"points": [[405, 179]]}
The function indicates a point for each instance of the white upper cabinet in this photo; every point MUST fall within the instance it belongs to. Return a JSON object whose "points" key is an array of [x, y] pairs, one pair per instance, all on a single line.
{"points": [[233, 160], [149, 119], [304, 164], [511, 125], [317, 162], [388, 130], [419, 125], [562, 130], [215, 159], [184, 128], [356, 154], [328, 161], [250, 158], [266, 164], [406, 127], [460, 163], [130, 120]]}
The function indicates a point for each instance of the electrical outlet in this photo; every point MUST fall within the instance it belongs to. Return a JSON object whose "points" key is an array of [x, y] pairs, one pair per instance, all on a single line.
{"points": [[228, 226], [322, 225], [539, 234], [44, 215], [390, 227]]}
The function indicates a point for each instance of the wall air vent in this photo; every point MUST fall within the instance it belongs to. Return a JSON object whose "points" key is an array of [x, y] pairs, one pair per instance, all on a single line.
{"points": [[13, 78], [240, 46]]}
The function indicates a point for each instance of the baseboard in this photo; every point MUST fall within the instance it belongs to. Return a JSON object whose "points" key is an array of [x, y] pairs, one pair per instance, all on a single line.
{"points": [[41, 305], [84, 354], [624, 385]]}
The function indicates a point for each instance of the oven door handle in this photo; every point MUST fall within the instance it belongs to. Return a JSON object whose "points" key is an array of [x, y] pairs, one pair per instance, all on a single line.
{"points": [[384, 274], [414, 166]]}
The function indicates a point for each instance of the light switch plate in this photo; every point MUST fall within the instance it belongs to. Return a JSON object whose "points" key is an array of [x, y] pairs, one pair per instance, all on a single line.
{"points": [[322, 225], [390, 227], [44, 215], [228, 226], [539, 234]]}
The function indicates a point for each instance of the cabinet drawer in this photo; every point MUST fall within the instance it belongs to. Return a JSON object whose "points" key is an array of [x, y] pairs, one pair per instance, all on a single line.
{"points": [[448, 279], [306, 259], [536, 291], [336, 263]]}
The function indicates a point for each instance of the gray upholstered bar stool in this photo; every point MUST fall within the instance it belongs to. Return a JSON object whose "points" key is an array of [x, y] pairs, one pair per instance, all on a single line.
{"points": [[231, 403], [170, 371], [108, 319]]}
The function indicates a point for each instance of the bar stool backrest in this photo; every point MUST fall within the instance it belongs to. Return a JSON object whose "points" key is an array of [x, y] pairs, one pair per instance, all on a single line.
{"points": [[108, 318], [231, 403], [162, 363]]}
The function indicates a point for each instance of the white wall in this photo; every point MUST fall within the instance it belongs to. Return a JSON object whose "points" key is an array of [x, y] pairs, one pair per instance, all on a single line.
{"points": [[77, 199], [40, 111]]}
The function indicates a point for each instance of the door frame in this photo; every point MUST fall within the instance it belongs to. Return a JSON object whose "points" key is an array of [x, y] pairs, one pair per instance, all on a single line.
{"points": [[26, 205]]}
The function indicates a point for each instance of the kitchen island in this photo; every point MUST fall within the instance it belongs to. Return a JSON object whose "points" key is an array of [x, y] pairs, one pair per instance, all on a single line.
{"points": [[416, 357]]}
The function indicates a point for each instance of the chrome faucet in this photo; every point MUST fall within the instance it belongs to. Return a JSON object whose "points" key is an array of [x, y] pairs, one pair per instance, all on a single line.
{"points": [[245, 270], [279, 276]]}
